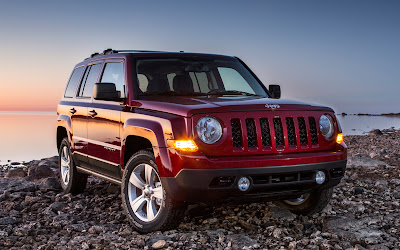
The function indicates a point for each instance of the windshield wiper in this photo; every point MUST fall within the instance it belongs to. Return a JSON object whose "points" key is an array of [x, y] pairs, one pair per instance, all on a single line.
{"points": [[173, 93], [230, 92]]}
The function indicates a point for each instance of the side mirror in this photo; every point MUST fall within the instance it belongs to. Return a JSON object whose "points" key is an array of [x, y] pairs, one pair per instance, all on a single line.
{"points": [[106, 91], [275, 91]]}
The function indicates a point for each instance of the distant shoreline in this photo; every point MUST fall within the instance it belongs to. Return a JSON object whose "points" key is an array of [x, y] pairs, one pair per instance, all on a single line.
{"points": [[28, 112], [362, 114]]}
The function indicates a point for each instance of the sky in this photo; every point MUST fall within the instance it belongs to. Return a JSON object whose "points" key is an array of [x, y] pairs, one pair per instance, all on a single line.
{"points": [[342, 54]]}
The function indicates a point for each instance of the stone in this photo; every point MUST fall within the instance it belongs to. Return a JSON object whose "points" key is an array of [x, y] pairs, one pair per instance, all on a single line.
{"points": [[375, 132], [159, 244], [51, 183], [15, 173], [39, 172], [8, 221], [281, 213], [358, 190]]}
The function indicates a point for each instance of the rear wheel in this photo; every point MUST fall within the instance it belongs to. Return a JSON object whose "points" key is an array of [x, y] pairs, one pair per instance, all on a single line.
{"points": [[309, 203], [71, 180], [144, 198]]}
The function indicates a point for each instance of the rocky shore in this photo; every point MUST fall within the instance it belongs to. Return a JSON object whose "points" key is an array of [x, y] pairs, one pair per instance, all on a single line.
{"points": [[364, 211]]}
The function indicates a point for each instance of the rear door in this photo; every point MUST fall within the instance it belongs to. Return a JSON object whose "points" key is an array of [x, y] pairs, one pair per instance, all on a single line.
{"points": [[104, 124], [80, 117]]}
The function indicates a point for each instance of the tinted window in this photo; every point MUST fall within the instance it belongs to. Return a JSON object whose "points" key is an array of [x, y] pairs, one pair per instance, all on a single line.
{"points": [[143, 82], [114, 73], [73, 82], [91, 77]]}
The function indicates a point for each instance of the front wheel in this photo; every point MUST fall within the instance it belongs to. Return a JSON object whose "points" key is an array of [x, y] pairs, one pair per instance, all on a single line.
{"points": [[309, 203], [71, 180], [144, 198]]}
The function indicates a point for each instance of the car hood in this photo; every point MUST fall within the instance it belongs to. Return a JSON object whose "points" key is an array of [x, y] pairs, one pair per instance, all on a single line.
{"points": [[188, 106]]}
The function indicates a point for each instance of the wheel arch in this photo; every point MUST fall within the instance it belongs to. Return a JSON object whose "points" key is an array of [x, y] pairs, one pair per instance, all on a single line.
{"points": [[139, 134], [63, 129]]}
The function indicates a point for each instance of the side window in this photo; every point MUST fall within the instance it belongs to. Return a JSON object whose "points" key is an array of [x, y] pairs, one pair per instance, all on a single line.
{"points": [[170, 77], [114, 73], [89, 80], [200, 81], [73, 82], [143, 82], [232, 80]]}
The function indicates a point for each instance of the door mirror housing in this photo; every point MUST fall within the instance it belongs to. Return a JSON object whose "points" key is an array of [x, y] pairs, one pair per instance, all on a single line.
{"points": [[106, 91], [275, 91]]}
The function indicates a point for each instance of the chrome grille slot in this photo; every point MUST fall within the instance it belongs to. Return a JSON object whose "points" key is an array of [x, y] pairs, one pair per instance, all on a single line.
{"points": [[278, 132], [265, 132], [251, 133], [236, 133], [302, 131], [291, 131], [313, 130]]}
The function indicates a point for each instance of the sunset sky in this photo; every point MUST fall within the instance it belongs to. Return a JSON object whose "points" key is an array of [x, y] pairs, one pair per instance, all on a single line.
{"points": [[344, 54]]}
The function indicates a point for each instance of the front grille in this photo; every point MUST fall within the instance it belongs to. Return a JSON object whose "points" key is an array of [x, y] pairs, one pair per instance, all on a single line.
{"points": [[298, 132]]}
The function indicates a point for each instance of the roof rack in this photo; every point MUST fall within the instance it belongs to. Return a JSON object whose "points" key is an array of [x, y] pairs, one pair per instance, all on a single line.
{"points": [[111, 51]]}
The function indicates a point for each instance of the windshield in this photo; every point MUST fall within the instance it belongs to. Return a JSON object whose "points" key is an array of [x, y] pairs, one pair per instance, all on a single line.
{"points": [[195, 76]]}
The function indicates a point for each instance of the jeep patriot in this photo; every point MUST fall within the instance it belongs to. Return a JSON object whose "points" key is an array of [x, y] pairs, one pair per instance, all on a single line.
{"points": [[180, 128]]}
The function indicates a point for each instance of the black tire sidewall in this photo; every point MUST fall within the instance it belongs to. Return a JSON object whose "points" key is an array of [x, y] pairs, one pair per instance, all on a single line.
{"points": [[142, 157], [314, 203]]}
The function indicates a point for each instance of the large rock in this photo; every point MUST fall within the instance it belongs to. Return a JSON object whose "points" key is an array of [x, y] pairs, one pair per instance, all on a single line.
{"points": [[15, 173], [39, 172]]}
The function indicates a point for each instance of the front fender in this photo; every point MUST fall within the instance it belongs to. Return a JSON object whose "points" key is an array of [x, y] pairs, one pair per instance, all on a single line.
{"points": [[154, 132]]}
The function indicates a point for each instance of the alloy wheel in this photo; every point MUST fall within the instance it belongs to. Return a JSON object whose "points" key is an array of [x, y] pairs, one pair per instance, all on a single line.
{"points": [[65, 165], [145, 192]]}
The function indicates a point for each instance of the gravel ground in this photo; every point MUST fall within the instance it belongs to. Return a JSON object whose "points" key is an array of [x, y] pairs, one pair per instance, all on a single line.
{"points": [[364, 211]]}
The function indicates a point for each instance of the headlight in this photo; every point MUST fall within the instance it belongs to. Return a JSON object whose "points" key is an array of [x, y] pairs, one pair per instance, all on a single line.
{"points": [[209, 130], [326, 126]]}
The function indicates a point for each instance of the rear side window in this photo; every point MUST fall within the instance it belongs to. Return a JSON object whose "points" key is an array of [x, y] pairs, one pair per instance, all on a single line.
{"points": [[114, 73], [73, 82], [89, 79]]}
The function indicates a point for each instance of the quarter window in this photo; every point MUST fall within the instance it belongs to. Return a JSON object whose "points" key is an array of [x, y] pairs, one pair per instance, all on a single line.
{"points": [[114, 73], [73, 82]]}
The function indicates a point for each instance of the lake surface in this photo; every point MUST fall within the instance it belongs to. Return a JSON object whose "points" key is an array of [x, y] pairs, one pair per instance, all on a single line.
{"points": [[26, 136]]}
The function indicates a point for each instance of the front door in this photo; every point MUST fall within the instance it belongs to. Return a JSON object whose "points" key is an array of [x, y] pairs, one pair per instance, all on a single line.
{"points": [[104, 125]]}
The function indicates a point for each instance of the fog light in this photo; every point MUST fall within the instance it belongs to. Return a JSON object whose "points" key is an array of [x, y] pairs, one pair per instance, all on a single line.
{"points": [[243, 184], [320, 177]]}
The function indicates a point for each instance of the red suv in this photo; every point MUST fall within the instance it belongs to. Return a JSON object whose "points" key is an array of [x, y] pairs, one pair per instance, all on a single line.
{"points": [[179, 128]]}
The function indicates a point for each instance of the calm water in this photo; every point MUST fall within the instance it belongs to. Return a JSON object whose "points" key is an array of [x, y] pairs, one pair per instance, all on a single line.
{"points": [[32, 135], [358, 125], [26, 136]]}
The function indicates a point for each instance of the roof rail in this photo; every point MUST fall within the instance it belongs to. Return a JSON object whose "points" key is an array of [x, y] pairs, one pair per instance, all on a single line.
{"points": [[111, 51]]}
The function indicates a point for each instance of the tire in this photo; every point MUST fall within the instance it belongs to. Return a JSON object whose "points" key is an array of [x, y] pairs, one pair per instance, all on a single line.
{"points": [[148, 206], [308, 204], [70, 179]]}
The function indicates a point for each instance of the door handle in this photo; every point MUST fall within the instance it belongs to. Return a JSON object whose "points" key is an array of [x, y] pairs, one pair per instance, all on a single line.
{"points": [[72, 111], [92, 113]]}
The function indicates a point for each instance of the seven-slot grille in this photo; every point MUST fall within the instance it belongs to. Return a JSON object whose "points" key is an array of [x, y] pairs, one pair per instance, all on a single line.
{"points": [[276, 136]]}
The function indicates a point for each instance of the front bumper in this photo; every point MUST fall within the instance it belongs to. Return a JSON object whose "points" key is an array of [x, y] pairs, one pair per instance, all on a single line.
{"points": [[271, 182]]}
